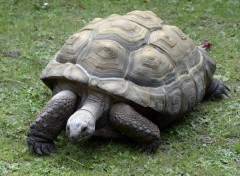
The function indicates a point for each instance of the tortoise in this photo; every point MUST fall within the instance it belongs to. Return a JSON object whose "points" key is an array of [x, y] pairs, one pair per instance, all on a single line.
{"points": [[123, 76]]}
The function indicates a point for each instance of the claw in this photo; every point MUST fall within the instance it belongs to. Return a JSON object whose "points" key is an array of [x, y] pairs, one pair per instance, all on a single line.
{"points": [[227, 88], [223, 96], [225, 92], [149, 147], [51, 148], [45, 149], [37, 148], [41, 148]]}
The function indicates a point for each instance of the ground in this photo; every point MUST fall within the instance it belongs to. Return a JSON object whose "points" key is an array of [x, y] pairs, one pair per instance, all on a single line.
{"points": [[205, 142]]}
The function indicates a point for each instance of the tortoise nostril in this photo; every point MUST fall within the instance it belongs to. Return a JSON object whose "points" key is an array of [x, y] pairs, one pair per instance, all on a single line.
{"points": [[83, 129], [68, 128], [74, 137]]}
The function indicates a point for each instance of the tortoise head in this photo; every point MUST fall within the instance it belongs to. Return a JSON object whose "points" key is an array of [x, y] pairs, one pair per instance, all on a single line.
{"points": [[80, 126]]}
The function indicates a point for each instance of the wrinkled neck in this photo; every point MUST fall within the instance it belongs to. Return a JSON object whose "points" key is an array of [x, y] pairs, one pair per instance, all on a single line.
{"points": [[96, 104], [82, 124]]}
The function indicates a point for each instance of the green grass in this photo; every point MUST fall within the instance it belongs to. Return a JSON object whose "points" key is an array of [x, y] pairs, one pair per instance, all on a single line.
{"points": [[205, 142]]}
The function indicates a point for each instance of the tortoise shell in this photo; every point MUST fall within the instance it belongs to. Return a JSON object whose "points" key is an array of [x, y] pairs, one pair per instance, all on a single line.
{"points": [[135, 57]]}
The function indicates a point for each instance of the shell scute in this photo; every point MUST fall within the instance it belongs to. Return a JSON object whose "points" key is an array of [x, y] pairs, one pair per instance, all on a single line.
{"points": [[157, 98], [184, 41], [174, 99], [188, 88], [114, 86], [165, 42], [147, 19], [125, 30], [138, 94], [73, 47], [149, 67], [104, 58], [197, 74]]}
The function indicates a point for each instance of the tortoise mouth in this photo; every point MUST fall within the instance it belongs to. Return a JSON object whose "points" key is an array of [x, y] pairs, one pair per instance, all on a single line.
{"points": [[79, 130], [79, 133], [78, 139]]}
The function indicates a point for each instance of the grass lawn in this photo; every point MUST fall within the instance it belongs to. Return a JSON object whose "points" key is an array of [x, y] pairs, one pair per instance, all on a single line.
{"points": [[205, 142]]}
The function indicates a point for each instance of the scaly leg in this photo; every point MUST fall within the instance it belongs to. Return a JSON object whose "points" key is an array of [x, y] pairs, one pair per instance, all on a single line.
{"points": [[125, 119], [217, 90], [50, 122]]}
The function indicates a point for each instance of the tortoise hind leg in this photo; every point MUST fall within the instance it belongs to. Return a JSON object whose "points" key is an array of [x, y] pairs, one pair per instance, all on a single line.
{"points": [[50, 122], [217, 90], [125, 119]]}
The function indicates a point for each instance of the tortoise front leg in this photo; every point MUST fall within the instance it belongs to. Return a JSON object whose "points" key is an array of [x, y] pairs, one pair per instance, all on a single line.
{"points": [[50, 122], [125, 119]]}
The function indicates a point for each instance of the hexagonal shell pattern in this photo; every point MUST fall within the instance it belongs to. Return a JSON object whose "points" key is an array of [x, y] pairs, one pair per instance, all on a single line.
{"points": [[137, 58]]}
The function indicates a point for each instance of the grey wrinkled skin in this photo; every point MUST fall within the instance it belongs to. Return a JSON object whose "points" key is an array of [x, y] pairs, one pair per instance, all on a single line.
{"points": [[50, 122]]}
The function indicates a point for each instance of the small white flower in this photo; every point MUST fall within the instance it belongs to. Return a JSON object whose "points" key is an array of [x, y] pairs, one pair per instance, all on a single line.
{"points": [[45, 4]]}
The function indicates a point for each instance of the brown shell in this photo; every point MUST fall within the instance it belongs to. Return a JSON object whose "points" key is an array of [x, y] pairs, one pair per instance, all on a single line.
{"points": [[136, 57]]}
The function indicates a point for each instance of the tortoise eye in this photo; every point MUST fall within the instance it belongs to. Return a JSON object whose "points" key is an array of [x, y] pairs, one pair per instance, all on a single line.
{"points": [[83, 129]]}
